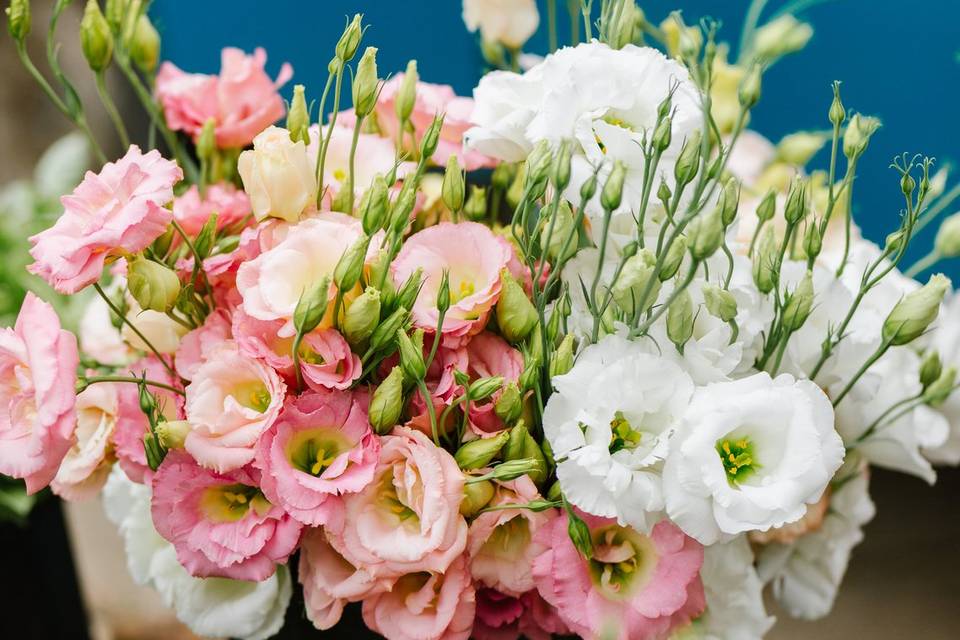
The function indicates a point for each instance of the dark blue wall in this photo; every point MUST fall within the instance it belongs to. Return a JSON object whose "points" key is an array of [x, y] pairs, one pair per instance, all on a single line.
{"points": [[897, 61]]}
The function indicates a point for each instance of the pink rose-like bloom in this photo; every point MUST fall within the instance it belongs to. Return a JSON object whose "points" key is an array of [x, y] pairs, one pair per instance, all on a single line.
{"points": [[503, 617], [319, 449], [85, 468], [473, 256], [634, 587], [330, 581], [490, 355], [327, 361], [38, 377], [119, 210], [500, 543], [425, 606], [408, 518], [231, 401], [260, 339], [195, 347], [242, 100], [229, 203], [221, 525]]}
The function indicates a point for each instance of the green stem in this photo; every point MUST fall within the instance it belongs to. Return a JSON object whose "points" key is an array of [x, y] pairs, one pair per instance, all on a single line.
{"points": [[295, 354], [863, 369], [133, 327], [552, 24], [353, 155], [749, 26], [111, 109], [431, 411], [160, 385], [326, 140]]}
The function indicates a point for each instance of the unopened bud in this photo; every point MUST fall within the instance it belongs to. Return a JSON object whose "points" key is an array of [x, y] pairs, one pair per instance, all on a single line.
{"points": [[410, 290], [516, 315], [799, 304], [907, 184], [479, 453], [476, 496], [858, 133], [579, 534], [673, 259], [720, 303], [589, 188], [374, 209], [634, 279], [796, 206], [403, 207], [476, 206], [688, 163], [510, 404], [350, 266], [513, 469], [767, 207], [779, 37], [443, 292], [764, 261], [664, 194], [173, 434], [18, 19], [530, 376], [407, 94], [705, 235], [362, 317], [680, 319], [947, 243], [145, 45], [837, 113], [95, 37], [483, 388], [812, 240], [662, 135], [729, 201], [431, 137], [561, 165], [930, 368], [798, 148], [915, 312], [312, 306], [350, 39], [562, 242], [411, 357], [749, 91], [562, 360], [939, 390], [612, 193], [207, 142], [386, 403], [453, 185], [153, 285], [365, 83], [298, 119]]}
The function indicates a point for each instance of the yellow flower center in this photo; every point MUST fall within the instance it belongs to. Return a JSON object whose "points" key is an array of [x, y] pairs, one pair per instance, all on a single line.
{"points": [[230, 503], [252, 395], [312, 451], [738, 459], [623, 560]]}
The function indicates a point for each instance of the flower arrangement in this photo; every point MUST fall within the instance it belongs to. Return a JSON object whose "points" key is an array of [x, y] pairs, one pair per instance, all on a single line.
{"points": [[582, 355]]}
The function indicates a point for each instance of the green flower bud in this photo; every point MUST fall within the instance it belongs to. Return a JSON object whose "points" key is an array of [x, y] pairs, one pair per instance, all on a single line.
{"points": [[298, 118], [173, 434], [947, 243], [513, 469], [453, 185], [516, 315], [207, 142], [362, 317], [705, 235], [589, 188], [664, 194], [95, 37], [161, 246], [443, 292], [812, 240], [837, 113], [798, 148], [510, 404], [858, 133], [637, 272], [561, 165], [410, 289], [483, 388], [350, 266], [579, 534], [663, 134], [749, 91], [612, 193], [350, 39], [312, 306], [680, 320], [799, 304], [374, 213], [907, 184], [515, 192], [930, 368], [153, 285], [688, 163], [767, 207], [554, 493], [781, 36], [522, 445], [765, 261], [365, 83], [411, 357], [476, 206], [562, 243], [145, 45], [562, 360], [530, 376], [476, 496], [796, 206], [403, 207], [720, 303], [938, 391], [729, 201], [673, 259], [18, 19], [479, 453], [915, 311], [386, 403], [154, 451], [407, 94], [892, 242], [431, 137], [203, 243]]}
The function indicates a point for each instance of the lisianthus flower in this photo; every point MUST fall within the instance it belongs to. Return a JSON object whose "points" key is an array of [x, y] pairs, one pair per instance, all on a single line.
{"points": [[807, 573], [278, 176], [240, 609], [271, 284], [751, 454], [503, 617], [162, 331], [38, 376], [473, 255], [633, 586], [220, 524], [327, 361], [196, 347], [231, 400], [490, 355], [84, 469], [425, 606], [330, 581], [508, 22], [609, 424], [319, 449], [408, 518], [242, 100], [192, 210], [946, 341], [119, 210], [500, 543]]}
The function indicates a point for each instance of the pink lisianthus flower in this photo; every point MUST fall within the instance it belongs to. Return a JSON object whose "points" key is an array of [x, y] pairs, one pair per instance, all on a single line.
{"points": [[425, 606], [38, 377], [260, 339], [221, 525], [330, 581], [320, 448], [433, 100], [192, 210], [85, 468], [408, 518], [327, 362], [242, 100], [490, 355], [501, 543], [230, 402], [195, 347], [120, 210], [503, 617], [634, 586], [473, 255]]}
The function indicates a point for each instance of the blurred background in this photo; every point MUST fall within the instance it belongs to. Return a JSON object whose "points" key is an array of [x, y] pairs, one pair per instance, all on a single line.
{"points": [[898, 61]]}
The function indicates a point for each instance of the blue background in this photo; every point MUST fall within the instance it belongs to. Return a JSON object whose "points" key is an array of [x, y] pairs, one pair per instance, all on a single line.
{"points": [[897, 61]]}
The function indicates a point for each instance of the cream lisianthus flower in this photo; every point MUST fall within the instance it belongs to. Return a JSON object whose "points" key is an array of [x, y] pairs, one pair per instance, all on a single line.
{"points": [[278, 176], [508, 22], [751, 454], [609, 423]]}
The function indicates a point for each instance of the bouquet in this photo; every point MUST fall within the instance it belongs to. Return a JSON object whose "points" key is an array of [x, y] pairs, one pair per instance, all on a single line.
{"points": [[582, 355]]}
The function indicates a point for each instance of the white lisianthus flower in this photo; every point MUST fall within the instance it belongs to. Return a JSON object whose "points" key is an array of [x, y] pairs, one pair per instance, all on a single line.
{"points": [[751, 454], [214, 607], [609, 423], [734, 595], [509, 22], [946, 342], [807, 573]]}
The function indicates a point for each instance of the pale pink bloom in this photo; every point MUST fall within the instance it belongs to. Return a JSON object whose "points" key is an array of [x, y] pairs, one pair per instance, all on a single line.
{"points": [[260, 339], [473, 256], [327, 362], [408, 518], [433, 100], [490, 355], [330, 581], [271, 284], [500, 543], [634, 586], [230, 402], [242, 100], [192, 210], [503, 617], [120, 210], [197, 346], [279, 176], [425, 606], [320, 448], [38, 376], [85, 468], [221, 525]]}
